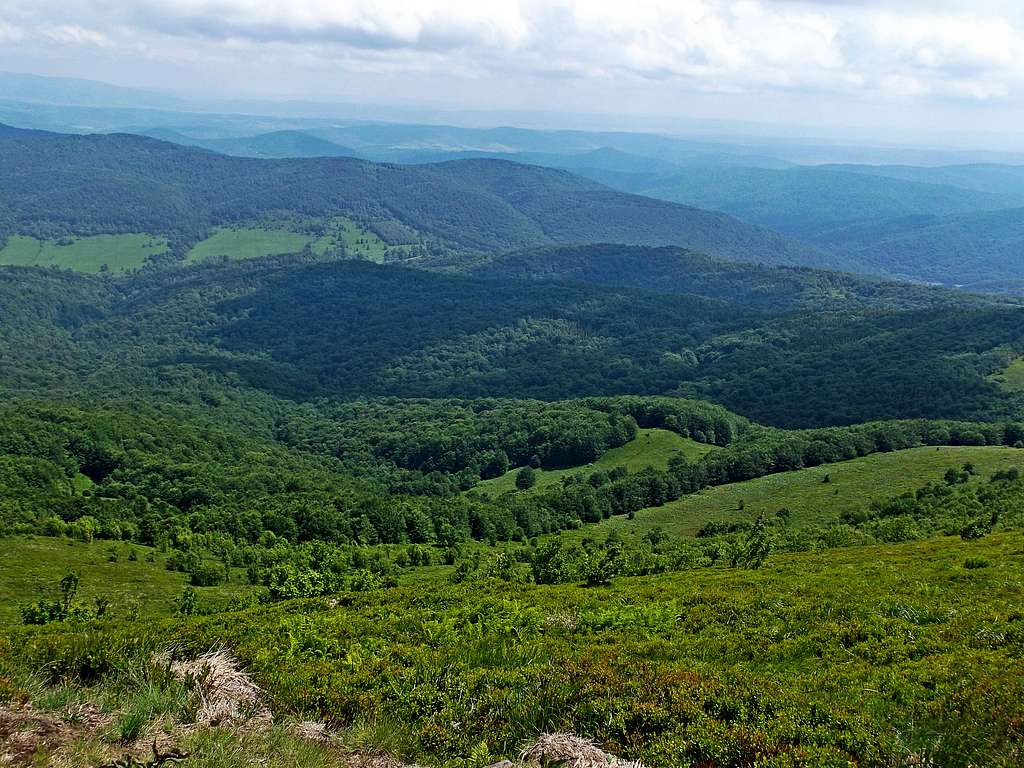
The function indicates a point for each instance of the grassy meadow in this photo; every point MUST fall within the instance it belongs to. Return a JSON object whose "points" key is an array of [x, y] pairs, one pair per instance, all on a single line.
{"points": [[1012, 378], [851, 485], [357, 241], [650, 448], [891, 655], [94, 254], [31, 567], [239, 243]]}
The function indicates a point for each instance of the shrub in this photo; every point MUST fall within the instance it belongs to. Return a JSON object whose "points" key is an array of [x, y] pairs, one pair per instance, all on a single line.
{"points": [[207, 574], [526, 478]]}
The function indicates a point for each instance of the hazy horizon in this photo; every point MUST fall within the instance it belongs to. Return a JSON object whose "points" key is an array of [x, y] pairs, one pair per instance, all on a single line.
{"points": [[923, 74]]}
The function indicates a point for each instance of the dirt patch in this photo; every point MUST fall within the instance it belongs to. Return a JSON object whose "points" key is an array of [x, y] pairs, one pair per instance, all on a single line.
{"points": [[26, 732]]}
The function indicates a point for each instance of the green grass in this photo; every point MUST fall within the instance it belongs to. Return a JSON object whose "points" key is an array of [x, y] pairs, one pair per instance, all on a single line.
{"points": [[853, 485], [118, 253], [238, 244], [650, 448], [358, 241], [1012, 379], [30, 568], [870, 656]]}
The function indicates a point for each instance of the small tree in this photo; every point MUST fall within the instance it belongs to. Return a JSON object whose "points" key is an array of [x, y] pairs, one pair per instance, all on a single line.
{"points": [[752, 551], [954, 476], [526, 478], [68, 591], [597, 569], [188, 603], [64, 609]]}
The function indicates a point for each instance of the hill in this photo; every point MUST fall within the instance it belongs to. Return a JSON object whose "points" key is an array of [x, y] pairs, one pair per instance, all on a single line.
{"points": [[979, 177], [676, 270], [810, 500], [958, 225], [65, 91], [53, 185], [650, 448], [977, 250], [275, 144], [716, 665], [803, 201], [301, 329]]}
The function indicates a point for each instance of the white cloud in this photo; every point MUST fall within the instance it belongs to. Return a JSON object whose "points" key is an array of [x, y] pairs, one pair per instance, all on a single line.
{"points": [[360, 23], [960, 49], [72, 34], [10, 33]]}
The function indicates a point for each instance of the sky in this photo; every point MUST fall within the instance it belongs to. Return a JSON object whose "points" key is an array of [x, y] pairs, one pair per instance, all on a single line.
{"points": [[942, 68]]}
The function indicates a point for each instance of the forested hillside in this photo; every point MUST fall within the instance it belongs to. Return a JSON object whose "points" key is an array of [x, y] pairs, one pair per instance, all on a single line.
{"points": [[302, 329], [53, 185], [804, 201], [676, 270], [976, 250], [980, 177], [959, 225]]}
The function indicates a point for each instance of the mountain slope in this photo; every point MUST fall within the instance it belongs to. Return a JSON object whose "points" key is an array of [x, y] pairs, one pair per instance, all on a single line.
{"points": [[275, 145], [979, 249], [677, 270], [124, 183], [352, 329], [803, 201], [911, 228], [979, 177]]}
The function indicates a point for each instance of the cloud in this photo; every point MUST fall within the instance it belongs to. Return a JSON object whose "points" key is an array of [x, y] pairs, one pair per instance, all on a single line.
{"points": [[424, 24], [72, 34], [960, 49], [9, 33]]}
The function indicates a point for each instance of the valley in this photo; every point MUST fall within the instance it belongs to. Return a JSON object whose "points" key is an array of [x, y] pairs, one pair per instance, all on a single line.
{"points": [[438, 441]]}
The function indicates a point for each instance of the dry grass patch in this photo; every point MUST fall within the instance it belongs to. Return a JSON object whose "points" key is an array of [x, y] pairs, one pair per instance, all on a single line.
{"points": [[570, 751], [228, 696]]}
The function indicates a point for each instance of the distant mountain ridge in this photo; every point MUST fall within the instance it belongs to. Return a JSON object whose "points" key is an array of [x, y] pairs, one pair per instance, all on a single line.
{"points": [[58, 183], [276, 145], [677, 270], [979, 177], [802, 201], [982, 250]]}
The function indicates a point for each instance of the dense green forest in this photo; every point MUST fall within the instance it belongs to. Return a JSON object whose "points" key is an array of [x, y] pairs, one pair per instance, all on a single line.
{"points": [[302, 329], [976, 250], [951, 226], [676, 270]]}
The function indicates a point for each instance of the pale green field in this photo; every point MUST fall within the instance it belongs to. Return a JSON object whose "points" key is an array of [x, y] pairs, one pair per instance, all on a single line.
{"points": [[853, 485], [238, 244], [252, 243], [31, 567], [1012, 379], [358, 241], [650, 448], [118, 253]]}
